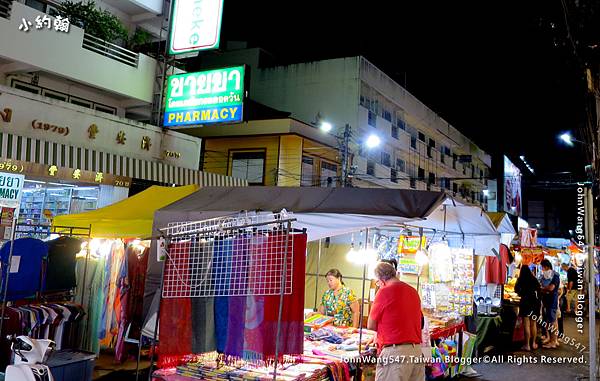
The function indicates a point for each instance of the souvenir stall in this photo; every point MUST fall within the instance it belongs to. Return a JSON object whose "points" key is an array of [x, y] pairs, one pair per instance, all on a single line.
{"points": [[111, 270], [318, 213]]}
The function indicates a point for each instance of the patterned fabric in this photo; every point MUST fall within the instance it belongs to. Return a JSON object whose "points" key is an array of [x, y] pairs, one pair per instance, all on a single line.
{"points": [[236, 326], [338, 305]]}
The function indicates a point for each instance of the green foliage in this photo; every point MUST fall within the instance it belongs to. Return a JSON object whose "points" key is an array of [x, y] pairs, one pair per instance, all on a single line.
{"points": [[99, 23], [139, 38]]}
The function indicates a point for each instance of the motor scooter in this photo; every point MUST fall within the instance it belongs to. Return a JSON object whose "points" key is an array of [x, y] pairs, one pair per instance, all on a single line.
{"points": [[29, 358]]}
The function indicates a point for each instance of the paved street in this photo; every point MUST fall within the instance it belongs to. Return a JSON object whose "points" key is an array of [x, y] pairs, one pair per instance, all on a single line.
{"points": [[539, 371]]}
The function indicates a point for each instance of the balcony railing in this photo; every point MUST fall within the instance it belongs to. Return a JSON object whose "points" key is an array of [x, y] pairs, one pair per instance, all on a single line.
{"points": [[5, 6], [109, 50]]}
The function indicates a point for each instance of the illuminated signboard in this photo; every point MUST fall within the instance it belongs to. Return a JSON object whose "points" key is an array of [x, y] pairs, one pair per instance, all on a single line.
{"points": [[512, 188], [195, 25], [205, 97]]}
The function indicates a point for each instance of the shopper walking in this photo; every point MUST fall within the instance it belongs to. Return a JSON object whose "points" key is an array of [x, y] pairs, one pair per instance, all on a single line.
{"points": [[550, 285], [571, 286], [529, 290], [396, 316]]}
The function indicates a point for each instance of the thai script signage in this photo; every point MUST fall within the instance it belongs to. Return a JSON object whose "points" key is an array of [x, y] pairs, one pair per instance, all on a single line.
{"points": [[206, 97]]}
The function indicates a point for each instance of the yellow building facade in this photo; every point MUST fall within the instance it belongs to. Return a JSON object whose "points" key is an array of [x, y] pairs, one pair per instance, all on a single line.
{"points": [[274, 152]]}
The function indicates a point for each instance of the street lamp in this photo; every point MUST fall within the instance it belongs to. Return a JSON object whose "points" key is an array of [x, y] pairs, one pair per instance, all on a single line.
{"points": [[567, 138], [372, 141], [326, 127]]}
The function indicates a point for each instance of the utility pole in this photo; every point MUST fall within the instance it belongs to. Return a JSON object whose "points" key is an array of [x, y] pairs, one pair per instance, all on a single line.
{"points": [[591, 280], [345, 154]]}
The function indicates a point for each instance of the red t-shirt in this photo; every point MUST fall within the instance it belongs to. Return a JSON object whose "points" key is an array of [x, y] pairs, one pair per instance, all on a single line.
{"points": [[397, 311]]}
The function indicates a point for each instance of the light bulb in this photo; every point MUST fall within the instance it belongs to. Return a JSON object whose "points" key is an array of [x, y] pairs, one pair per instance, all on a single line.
{"points": [[421, 258]]}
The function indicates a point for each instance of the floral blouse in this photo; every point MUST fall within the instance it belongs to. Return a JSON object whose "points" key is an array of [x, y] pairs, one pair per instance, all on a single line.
{"points": [[338, 305]]}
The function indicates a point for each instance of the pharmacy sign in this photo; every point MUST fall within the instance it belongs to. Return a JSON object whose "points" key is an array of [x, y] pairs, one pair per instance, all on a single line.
{"points": [[195, 25], [206, 97]]}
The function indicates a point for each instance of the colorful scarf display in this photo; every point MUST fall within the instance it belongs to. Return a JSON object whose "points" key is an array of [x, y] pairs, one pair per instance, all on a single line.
{"points": [[239, 326]]}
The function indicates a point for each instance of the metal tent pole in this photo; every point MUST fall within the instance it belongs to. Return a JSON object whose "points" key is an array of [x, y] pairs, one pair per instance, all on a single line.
{"points": [[156, 326], [7, 269], [281, 294], [318, 275], [362, 301]]}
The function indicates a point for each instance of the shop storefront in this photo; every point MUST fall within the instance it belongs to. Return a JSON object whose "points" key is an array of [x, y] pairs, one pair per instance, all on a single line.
{"points": [[75, 161]]}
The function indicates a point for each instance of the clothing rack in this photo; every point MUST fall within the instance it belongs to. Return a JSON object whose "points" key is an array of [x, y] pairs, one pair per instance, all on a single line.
{"points": [[68, 231], [208, 231]]}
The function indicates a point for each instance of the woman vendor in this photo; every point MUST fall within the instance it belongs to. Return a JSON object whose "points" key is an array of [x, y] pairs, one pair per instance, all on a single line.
{"points": [[339, 301]]}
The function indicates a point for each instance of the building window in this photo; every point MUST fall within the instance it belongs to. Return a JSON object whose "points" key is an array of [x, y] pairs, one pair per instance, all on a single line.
{"points": [[386, 115], [372, 119], [249, 166], [443, 158], [431, 143], [454, 159], [81, 102], [454, 188], [393, 175], [421, 136], [421, 174], [400, 123], [431, 179], [430, 152], [328, 174], [413, 142], [385, 159], [413, 183], [400, 165], [394, 132], [370, 167], [481, 174], [308, 174]]}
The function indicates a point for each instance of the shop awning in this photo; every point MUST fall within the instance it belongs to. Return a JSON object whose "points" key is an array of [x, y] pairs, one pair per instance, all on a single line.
{"points": [[465, 225], [324, 212], [502, 223], [129, 218]]}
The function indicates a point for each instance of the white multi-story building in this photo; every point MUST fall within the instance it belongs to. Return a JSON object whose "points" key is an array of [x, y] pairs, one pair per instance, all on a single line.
{"points": [[74, 112], [419, 149]]}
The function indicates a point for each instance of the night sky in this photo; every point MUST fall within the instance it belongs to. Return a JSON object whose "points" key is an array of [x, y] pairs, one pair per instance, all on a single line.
{"points": [[501, 72]]}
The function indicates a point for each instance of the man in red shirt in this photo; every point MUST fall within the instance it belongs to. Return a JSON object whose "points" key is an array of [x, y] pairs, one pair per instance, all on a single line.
{"points": [[396, 316]]}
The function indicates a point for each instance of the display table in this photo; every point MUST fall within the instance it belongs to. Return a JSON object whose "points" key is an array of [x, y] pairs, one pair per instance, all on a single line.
{"points": [[320, 360]]}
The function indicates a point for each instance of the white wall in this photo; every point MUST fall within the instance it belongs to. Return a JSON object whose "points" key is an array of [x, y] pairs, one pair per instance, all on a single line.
{"points": [[28, 107], [62, 54], [328, 87]]}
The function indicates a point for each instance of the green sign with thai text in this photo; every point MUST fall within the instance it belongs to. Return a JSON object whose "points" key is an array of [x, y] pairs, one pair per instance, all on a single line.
{"points": [[213, 96]]}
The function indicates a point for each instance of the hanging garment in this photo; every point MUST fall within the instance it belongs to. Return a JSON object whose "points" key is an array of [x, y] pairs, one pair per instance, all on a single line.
{"points": [[60, 271], [25, 276], [175, 330], [496, 268], [132, 295], [221, 277], [114, 272], [260, 336]]}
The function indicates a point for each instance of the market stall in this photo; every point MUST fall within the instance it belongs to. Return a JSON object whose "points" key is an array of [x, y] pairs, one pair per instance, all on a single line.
{"points": [[111, 268], [320, 213]]}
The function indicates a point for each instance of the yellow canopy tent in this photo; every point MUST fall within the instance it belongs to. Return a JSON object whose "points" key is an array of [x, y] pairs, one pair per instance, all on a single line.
{"points": [[129, 218]]}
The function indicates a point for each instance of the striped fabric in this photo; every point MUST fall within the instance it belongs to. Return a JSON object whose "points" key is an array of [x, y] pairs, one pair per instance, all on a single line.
{"points": [[48, 153]]}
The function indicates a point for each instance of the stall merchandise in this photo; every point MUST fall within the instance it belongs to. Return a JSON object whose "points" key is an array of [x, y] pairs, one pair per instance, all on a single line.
{"points": [[322, 212], [321, 360], [233, 306], [111, 278]]}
